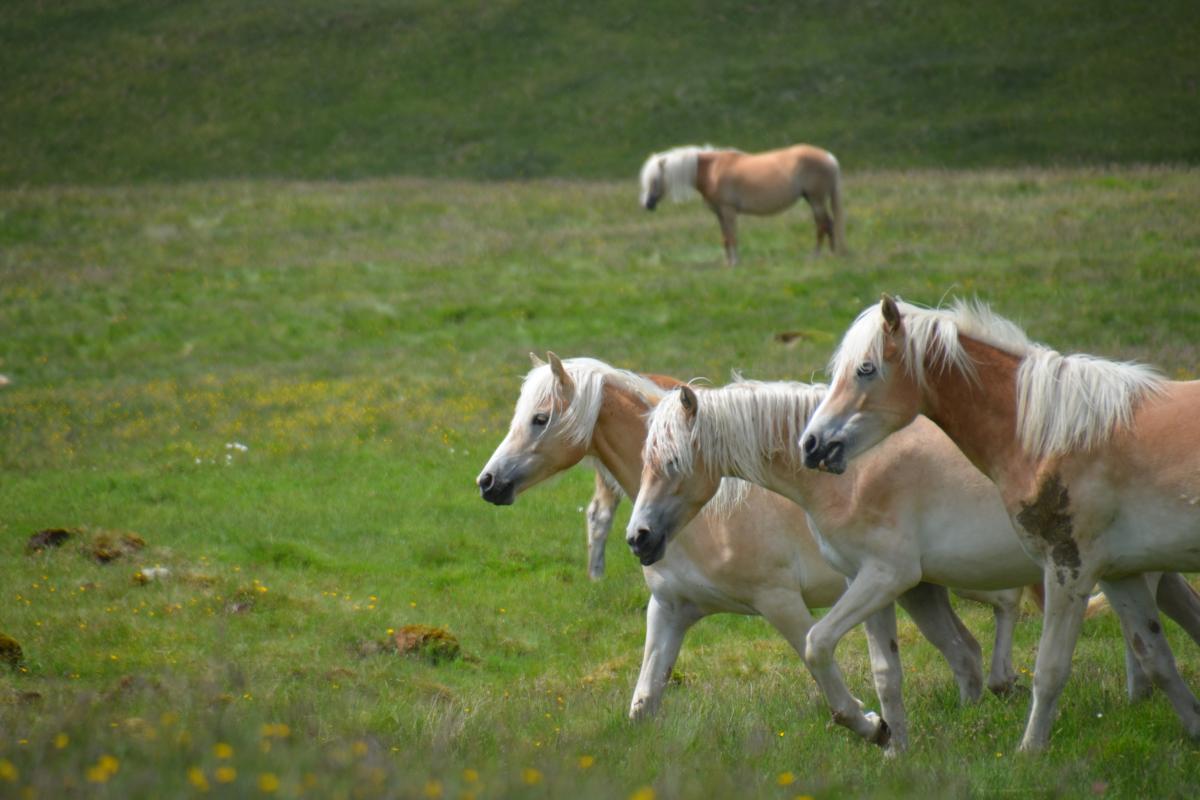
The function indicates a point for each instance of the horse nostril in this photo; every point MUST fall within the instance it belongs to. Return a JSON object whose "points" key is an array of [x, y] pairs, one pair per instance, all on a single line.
{"points": [[642, 534], [810, 444], [485, 481]]}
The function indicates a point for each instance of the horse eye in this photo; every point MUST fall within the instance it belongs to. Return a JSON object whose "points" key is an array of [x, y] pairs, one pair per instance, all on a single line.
{"points": [[865, 369], [540, 419]]}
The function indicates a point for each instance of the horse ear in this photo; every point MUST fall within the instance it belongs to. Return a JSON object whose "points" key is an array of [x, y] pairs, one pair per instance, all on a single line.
{"points": [[687, 399], [537, 362], [560, 372], [891, 314]]}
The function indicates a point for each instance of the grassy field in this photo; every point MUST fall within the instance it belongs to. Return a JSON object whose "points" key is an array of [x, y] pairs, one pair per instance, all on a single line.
{"points": [[287, 389], [116, 91]]}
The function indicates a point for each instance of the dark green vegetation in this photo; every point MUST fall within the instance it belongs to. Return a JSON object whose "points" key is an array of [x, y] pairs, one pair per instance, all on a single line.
{"points": [[103, 91], [365, 341]]}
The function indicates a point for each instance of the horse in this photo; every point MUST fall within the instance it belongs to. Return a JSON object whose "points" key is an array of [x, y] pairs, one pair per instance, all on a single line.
{"points": [[914, 511], [758, 558], [602, 508], [732, 182], [1097, 463]]}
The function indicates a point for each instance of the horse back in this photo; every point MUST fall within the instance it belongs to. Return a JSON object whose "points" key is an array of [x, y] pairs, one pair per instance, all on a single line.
{"points": [[764, 183]]}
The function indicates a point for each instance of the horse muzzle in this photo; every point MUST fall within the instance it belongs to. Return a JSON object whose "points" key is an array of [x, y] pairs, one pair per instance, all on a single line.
{"points": [[496, 491], [829, 456], [647, 544], [651, 203]]}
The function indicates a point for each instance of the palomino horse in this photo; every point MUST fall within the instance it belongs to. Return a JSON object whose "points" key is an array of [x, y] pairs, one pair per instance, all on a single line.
{"points": [[602, 508], [915, 510], [759, 558], [1097, 462], [732, 182]]}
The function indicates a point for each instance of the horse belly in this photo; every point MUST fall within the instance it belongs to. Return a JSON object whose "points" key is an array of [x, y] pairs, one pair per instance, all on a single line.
{"points": [[768, 196], [1154, 536], [976, 548]]}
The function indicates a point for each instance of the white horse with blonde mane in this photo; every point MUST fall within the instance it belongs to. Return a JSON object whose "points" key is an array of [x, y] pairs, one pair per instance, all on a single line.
{"points": [[913, 510], [1097, 462], [732, 182], [758, 557]]}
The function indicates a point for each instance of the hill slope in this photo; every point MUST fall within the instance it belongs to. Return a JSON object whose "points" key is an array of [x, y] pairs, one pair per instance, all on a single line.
{"points": [[103, 91]]}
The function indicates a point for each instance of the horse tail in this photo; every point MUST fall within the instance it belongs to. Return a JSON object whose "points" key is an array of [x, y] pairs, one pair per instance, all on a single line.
{"points": [[835, 203]]}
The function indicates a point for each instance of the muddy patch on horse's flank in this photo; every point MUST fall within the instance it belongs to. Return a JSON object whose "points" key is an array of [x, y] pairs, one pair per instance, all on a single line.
{"points": [[1048, 518]]}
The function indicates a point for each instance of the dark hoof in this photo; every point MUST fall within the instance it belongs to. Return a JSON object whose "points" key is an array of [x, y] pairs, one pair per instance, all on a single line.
{"points": [[883, 735]]}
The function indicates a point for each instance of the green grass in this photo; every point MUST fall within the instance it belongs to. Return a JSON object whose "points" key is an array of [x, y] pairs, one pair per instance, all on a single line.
{"points": [[366, 341], [118, 91]]}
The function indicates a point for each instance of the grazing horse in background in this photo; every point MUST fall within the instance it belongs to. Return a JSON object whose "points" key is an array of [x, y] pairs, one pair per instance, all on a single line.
{"points": [[758, 557], [914, 511], [1097, 462], [732, 182]]}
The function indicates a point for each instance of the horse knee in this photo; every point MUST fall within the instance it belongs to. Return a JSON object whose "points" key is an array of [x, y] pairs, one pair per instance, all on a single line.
{"points": [[818, 646]]}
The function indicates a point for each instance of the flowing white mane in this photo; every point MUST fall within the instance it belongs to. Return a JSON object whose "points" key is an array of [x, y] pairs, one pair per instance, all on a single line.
{"points": [[678, 171], [578, 417], [1063, 402], [738, 428]]}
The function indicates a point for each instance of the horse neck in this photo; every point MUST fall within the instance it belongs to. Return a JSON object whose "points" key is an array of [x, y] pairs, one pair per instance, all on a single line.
{"points": [[981, 417], [782, 471], [619, 434], [706, 181]]}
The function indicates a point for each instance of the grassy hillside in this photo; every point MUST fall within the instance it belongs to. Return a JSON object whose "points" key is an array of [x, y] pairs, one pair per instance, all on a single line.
{"points": [[112, 91], [365, 342]]}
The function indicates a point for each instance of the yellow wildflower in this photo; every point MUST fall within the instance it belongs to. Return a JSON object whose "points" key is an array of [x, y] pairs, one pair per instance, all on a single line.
{"points": [[196, 778], [785, 779], [268, 783], [226, 774], [8, 772], [470, 775], [644, 793], [61, 741], [222, 750], [531, 776], [586, 762], [103, 769]]}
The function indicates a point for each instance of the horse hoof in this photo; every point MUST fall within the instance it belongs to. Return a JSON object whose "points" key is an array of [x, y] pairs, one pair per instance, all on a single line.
{"points": [[883, 735]]}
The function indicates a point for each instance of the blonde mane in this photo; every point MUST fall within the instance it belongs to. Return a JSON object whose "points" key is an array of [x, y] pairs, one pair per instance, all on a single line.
{"points": [[679, 171], [1063, 402], [578, 417], [738, 428]]}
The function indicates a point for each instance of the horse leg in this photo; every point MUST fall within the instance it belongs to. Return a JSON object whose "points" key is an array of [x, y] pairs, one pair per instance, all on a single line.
{"points": [[1065, 602], [787, 612], [666, 625], [874, 588], [929, 607], [822, 221], [727, 216], [888, 674], [600, 510], [1179, 601], [1131, 598], [1006, 609]]}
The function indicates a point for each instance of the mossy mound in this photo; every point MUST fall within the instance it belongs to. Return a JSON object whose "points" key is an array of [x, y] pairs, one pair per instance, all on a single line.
{"points": [[426, 641], [106, 546], [48, 538], [10, 651]]}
